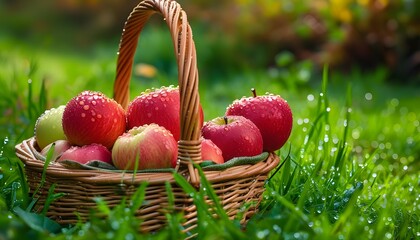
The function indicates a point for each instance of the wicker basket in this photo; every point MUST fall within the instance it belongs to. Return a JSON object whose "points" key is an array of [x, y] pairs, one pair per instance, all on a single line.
{"points": [[234, 186]]}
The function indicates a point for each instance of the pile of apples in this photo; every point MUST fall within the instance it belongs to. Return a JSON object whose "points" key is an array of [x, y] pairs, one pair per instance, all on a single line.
{"points": [[93, 127]]}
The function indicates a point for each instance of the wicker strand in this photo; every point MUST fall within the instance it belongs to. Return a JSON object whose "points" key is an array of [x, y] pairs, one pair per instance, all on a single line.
{"points": [[185, 53]]}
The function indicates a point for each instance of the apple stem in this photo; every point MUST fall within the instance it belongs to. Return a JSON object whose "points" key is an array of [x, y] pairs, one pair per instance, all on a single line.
{"points": [[226, 120], [254, 92]]}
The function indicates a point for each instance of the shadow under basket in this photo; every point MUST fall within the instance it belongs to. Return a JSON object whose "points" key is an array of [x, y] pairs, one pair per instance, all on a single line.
{"points": [[234, 186]]}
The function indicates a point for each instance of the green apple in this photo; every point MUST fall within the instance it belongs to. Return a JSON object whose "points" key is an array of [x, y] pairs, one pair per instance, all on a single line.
{"points": [[48, 127]]}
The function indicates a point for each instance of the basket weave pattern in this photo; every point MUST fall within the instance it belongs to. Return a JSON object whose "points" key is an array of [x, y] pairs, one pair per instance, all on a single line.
{"points": [[234, 186]]}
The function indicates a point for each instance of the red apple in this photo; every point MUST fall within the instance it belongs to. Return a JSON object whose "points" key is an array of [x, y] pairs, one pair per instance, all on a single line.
{"points": [[236, 136], [87, 153], [210, 151], [151, 145], [48, 127], [60, 146], [160, 106], [91, 117], [272, 115]]}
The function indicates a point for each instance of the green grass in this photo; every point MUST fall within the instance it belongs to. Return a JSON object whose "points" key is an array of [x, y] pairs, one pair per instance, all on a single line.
{"points": [[350, 169]]}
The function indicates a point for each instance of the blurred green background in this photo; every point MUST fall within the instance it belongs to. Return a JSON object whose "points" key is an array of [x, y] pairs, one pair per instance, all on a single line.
{"points": [[235, 34]]}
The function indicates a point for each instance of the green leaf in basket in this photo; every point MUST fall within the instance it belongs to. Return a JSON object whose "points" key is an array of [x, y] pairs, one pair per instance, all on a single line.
{"points": [[96, 164], [92, 165], [37, 222], [103, 166], [237, 161], [207, 163]]}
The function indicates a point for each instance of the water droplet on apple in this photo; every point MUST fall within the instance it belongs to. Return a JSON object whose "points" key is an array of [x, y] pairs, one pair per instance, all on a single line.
{"points": [[83, 115], [99, 116], [94, 103], [93, 113], [81, 103], [86, 107], [92, 119], [149, 115]]}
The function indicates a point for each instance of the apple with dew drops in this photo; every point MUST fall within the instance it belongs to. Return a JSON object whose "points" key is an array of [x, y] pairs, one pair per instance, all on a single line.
{"points": [[151, 145], [48, 127], [272, 115], [91, 117], [210, 151], [236, 136], [160, 106]]}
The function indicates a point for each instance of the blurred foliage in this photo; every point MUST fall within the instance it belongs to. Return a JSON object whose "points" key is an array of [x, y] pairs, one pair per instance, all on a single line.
{"points": [[234, 34], [343, 33]]}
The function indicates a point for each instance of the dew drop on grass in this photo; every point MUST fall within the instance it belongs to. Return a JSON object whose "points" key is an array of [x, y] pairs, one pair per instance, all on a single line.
{"points": [[129, 236], [262, 234], [115, 225], [300, 121], [277, 228], [368, 96], [310, 97]]}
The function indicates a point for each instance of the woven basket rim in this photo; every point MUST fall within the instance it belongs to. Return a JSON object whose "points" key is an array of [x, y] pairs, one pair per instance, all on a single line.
{"points": [[27, 151]]}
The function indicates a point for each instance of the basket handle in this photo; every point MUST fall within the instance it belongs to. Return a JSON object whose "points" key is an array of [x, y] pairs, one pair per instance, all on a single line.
{"points": [[189, 145]]}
